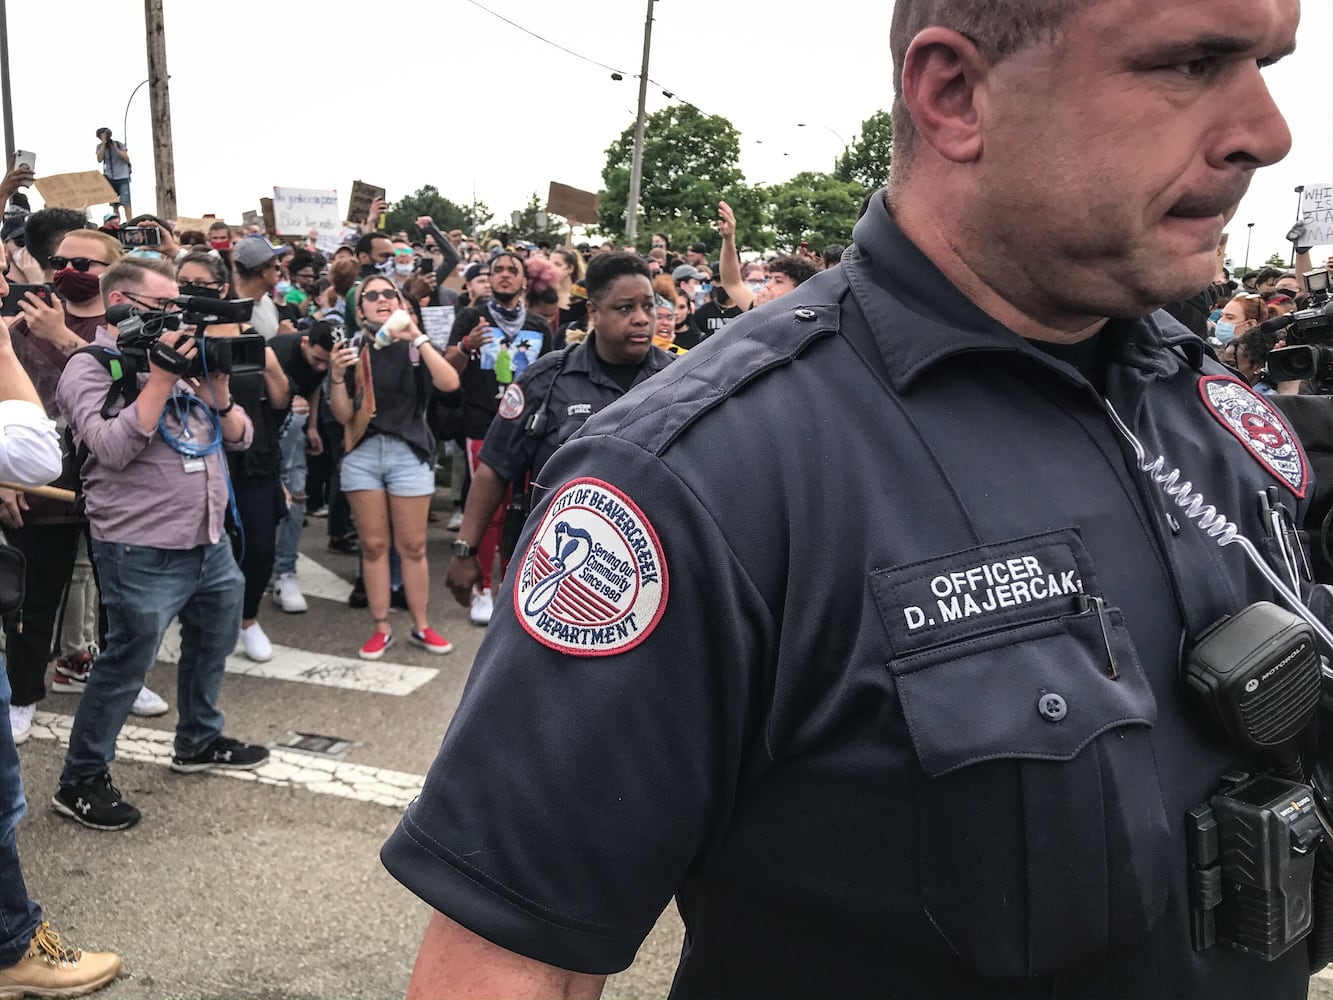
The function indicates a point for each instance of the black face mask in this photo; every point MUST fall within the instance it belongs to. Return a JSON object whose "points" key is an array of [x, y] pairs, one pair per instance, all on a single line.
{"points": [[201, 291]]}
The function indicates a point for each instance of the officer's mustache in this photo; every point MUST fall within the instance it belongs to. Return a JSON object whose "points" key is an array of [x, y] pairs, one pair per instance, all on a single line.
{"points": [[1220, 202]]}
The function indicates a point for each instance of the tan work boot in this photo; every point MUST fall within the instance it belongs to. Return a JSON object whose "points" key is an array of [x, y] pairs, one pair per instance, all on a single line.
{"points": [[49, 969]]}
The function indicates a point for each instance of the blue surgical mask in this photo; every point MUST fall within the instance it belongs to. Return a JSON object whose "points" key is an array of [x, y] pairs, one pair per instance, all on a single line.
{"points": [[1214, 316], [756, 287], [403, 269], [1224, 331], [283, 288]]}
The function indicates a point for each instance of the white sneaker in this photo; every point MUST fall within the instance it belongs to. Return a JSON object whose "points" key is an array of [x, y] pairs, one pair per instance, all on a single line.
{"points": [[148, 704], [20, 721], [287, 595], [482, 606], [455, 521], [256, 643]]}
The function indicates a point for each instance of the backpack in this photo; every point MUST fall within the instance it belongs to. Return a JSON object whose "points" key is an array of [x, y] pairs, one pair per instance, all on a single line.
{"points": [[124, 372]]}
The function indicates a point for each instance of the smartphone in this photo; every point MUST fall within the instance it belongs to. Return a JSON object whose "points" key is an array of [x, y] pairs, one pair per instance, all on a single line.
{"points": [[426, 266], [140, 236], [10, 307], [25, 158]]}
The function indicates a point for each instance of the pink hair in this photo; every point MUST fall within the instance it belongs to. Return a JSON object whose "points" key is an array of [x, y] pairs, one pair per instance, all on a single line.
{"points": [[541, 275]]}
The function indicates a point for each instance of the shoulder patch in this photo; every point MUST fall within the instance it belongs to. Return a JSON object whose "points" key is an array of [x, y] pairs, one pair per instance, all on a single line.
{"points": [[593, 581], [511, 403], [1258, 427]]}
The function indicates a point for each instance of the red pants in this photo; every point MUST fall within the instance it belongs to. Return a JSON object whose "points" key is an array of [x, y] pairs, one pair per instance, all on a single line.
{"points": [[490, 538]]}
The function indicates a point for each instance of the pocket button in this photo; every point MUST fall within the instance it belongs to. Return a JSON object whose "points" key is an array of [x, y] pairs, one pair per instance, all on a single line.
{"points": [[1052, 707]]}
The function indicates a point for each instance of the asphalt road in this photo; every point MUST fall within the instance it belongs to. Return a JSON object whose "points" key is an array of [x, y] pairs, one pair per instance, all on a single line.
{"points": [[241, 888], [272, 888]]}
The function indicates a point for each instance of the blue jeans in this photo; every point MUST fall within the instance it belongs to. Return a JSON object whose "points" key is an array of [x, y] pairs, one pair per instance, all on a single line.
{"points": [[292, 444], [143, 589], [19, 915]]}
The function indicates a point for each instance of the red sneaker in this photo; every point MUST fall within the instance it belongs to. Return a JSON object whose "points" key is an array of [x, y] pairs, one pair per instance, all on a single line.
{"points": [[376, 645], [431, 641]]}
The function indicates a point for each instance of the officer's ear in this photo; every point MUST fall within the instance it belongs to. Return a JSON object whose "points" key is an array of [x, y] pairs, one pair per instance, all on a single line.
{"points": [[942, 71]]}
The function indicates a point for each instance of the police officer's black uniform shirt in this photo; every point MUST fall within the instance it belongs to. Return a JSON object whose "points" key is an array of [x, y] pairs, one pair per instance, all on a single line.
{"points": [[583, 385], [806, 638]]}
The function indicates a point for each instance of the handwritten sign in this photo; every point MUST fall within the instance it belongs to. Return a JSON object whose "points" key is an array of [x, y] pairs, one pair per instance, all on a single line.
{"points": [[266, 210], [439, 321], [1316, 213], [296, 211], [185, 224], [573, 204], [249, 219], [76, 190], [362, 195]]}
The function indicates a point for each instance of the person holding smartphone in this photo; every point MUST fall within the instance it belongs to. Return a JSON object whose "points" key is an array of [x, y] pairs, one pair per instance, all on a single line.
{"points": [[115, 161]]}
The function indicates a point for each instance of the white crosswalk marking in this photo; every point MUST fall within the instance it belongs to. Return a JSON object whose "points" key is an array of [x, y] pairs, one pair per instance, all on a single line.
{"points": [[285, 768], [306, 667], [318, 581]]}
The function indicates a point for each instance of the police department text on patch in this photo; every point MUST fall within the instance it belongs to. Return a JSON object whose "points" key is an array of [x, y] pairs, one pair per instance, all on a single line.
{"points": [[593, 581]]}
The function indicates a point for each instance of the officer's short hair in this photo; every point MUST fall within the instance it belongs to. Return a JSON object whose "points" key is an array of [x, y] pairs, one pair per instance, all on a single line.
{"points": [[605, 268], [998, 28]]}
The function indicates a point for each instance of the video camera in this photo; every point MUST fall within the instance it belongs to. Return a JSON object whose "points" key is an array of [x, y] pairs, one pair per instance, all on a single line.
{"points": [[140, 330], [1308, 355]]}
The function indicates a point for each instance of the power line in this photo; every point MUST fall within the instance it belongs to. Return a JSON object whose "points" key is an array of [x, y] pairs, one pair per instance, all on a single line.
{"points": [[543, 38]]}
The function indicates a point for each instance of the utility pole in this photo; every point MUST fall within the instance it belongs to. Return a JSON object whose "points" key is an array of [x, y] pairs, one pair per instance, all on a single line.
{"points": [[1248, 236], [636, 163], [5, 90], [160, 103]]}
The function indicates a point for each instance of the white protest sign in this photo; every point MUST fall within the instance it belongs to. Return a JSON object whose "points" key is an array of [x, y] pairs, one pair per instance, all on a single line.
{"points": [[296, 211], [1317, 214], [439, 321]]}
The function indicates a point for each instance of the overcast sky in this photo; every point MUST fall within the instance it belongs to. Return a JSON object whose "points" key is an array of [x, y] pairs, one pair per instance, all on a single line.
{"points": [[444, 93]]}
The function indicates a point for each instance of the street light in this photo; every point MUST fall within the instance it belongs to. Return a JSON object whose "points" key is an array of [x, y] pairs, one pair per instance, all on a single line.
{"points": [[835, 135], [125, 123], [1248, 236]]}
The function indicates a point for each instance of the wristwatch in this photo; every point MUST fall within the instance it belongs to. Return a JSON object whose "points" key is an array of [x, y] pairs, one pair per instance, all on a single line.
{"points": [[462, 549]]}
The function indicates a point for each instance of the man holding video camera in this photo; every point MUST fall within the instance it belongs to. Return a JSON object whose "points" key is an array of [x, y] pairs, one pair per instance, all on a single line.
{"points": [[157, 512]]}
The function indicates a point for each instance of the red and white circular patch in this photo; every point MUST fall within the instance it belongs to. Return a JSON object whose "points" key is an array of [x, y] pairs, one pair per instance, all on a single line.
{"points": [[511, 403], [1264, 434], [593, 581]]}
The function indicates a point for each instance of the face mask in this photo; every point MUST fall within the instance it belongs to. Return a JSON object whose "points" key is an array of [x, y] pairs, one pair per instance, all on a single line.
{"points": [[385, 268], [1214, 316], [756, 287], [1225, 332], [283, 288], [76, 286], [201, 292], [220, 244], [403, 269]]}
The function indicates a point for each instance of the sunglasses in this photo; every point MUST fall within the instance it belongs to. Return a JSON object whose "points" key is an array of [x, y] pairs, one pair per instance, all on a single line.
{"points": [[78, 263], [375, 296]]}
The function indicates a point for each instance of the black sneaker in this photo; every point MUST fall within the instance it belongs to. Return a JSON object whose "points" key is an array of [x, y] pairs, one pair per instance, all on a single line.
{"points": [[398, 598], [223, 752], [96, 804], [347, 545], [357, 598]]}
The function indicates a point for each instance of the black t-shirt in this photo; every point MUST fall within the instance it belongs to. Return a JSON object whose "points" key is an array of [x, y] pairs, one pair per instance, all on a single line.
{"points": [[479, 385], [304, 379], [402, 394], [709, 319], [263, 459]]}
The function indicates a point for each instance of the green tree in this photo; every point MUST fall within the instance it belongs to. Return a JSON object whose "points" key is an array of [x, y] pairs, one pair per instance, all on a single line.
{"points": [[817, 208], [689, 165], [535, 226], [427, 200], [866, 161], [1276, 260]]}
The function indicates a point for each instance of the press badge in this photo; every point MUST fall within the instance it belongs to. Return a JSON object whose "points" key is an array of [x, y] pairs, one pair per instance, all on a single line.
{"points": [[192, 464]]}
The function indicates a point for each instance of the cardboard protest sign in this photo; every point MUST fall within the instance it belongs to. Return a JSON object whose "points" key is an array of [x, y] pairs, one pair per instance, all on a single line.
{"points": [[185, 224], [249, 219], [76, 190], [362, 195], [1316, 213], [296, 211], [266, 209], [572, 203]]}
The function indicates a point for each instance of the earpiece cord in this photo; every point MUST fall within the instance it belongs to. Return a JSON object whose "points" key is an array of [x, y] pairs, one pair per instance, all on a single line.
{"points": [[1217, 527]]}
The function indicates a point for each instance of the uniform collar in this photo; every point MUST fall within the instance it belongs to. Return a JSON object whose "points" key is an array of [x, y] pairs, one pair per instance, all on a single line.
{"points": [[919, 319], [584, 358]]}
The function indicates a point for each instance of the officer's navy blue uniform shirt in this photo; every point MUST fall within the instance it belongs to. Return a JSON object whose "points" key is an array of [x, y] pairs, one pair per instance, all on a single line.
{"points": [[578, 385], [808, 639]]}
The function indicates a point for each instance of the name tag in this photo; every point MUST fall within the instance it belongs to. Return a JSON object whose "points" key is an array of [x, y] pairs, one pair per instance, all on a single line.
{"points": [[956, 596], [192, 464]]}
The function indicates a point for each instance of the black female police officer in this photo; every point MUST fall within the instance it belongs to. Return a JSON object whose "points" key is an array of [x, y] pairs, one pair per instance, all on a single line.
{"points": [[568, 387]]}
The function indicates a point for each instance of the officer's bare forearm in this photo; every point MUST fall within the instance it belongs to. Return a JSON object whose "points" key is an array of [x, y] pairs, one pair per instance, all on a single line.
{"points": [[483, 497]]}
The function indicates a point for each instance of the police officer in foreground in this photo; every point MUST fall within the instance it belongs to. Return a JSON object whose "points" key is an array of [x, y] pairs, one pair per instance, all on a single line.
{"points": [[860, 629], [553, 398]]}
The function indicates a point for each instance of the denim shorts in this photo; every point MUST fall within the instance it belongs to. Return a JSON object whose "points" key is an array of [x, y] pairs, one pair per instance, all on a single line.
{"points": [[122, 187], [382, 462]]}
